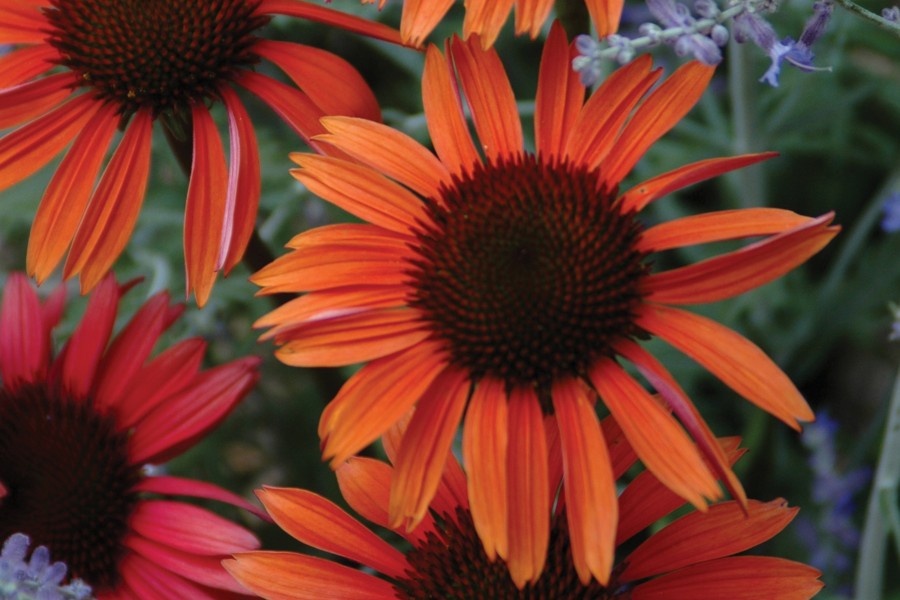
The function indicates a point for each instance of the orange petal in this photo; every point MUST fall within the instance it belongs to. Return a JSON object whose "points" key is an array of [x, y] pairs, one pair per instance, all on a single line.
{"points": [[327, 16], [26, 63], [32, 146], [388, 151], [361, 191], [658, 114], [560, 95], [734, 273], [320, 523], [332, 83], [328, 302], [357, 337], [490, 97], [605, 15], [529, 494], [739, 363], [377, 396], [530, 16], [591, 504], [598, 124], [486, 18], [485, 441], [204, 212], [113, 209], [289, 576], [68, 193], [735, 578], [444, 115], [718, 226], [660, 443], [646, 192], [425, 448], [723, 530], [242, 197], [292, 105], [420, 17], [23, 23], [21, 103]]}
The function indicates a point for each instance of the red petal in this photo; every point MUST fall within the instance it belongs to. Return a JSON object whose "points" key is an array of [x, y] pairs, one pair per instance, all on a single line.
{"points": [[150, 582], [24, 340], [21, 103], [189, 529], [320, 14], [560, 96], [23, 23], [178, 486], [205, 570], [26, 63]]}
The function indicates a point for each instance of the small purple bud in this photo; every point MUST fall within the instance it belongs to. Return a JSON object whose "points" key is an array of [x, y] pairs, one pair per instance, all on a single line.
{"points": [[707, 9], [719, 35], [670, 13], [891, 14], [816, 24], [750, 26], [890, 213]]}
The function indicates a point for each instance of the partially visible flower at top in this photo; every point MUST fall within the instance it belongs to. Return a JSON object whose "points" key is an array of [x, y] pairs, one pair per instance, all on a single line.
{"points": [[486, 17], [692, 557], [890, 213], [828, 529], [78, 426], [750, 25], [892, 14], [895, 326], [36, 578], [82, 68], [703, 46], [504, 289]]}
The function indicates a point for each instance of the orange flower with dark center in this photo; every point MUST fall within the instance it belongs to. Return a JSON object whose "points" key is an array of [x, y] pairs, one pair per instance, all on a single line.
{"points": [[76, 430], [83, 67], [694, 556], [509, 286]]}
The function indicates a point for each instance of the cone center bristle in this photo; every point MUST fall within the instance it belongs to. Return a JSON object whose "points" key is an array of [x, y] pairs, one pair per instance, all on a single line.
{"points": [[156, 54], [68, 480], [529, 271]]}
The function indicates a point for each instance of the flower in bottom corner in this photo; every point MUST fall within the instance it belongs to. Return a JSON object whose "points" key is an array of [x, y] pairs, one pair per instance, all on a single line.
{"points": [[78, 426], [694, 556]]}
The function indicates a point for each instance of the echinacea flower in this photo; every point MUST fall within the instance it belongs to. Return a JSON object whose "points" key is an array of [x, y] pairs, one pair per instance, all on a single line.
{"points": [[509, 285], [82, 68], [77, 428], [691, 557], [486, 17]]}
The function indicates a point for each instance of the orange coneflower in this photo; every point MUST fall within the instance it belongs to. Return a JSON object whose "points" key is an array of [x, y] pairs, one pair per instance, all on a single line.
{"points": [[77, 428], [83, 67], [509, 285], [486, 17], [690, 558]]}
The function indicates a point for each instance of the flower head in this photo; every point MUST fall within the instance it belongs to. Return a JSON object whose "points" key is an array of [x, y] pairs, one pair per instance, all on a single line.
{"points": [[509, 286], [82, 68], [77, 427], [692, 557]]}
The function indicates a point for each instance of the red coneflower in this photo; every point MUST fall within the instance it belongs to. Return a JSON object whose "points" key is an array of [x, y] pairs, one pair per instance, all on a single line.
{"points": [[692, 557], [509, 285], [486, 17], [84, 67], [77, 428]]}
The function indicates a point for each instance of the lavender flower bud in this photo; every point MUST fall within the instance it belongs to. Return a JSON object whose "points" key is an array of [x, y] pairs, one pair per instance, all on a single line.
{"points": [[719, 35], [707, 9], [891, 14]]}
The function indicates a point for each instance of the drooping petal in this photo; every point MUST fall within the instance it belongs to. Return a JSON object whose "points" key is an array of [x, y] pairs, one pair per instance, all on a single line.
{"points": [[26, 63], [559, 96], [24, 342], [723, 530], [646, 192], [377, 396], [718, 226], [735, 578], [32, 146], [330, 81], [529, 495], [242, 197], [205, 570], [739, 363], [317, 521], [591, 504], [327, 16], [420, 17], [149, 581], [361, 191], [426, 447], [485, 442], [113, 209], [68, 193], [734, 273], [605, 15], [657, 115], [189, 528], [289, 576], [447, 124], [388, 151], [660, 443], [21, 103], [486, 18], [490, 97], [179, 486]]}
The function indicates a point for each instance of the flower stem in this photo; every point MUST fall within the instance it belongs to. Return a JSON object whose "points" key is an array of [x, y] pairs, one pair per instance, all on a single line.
{"points": [[741, 88], [881, 519], [868, 15]]}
